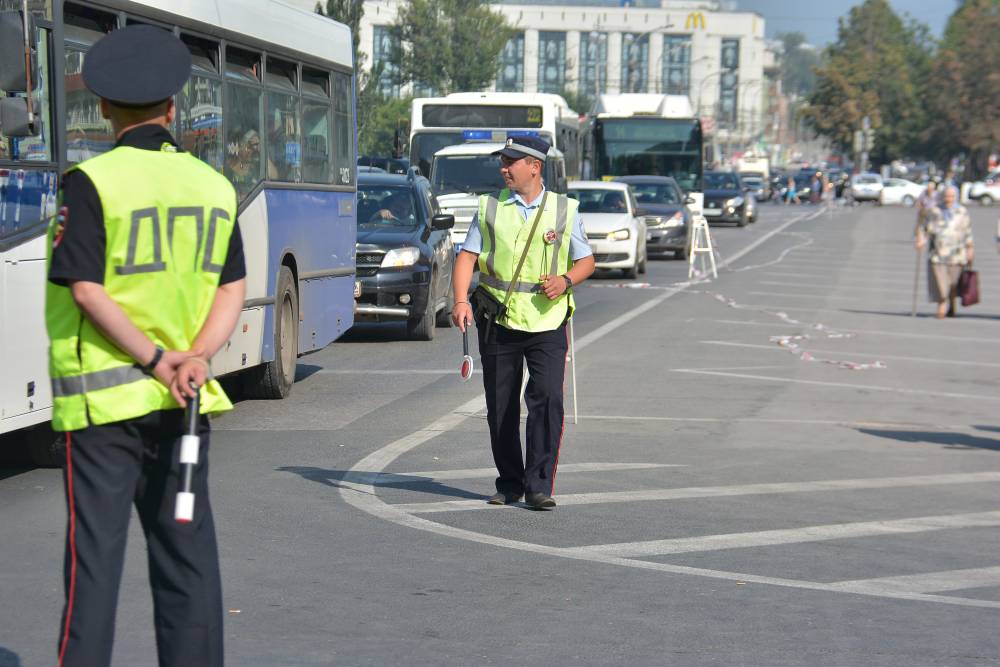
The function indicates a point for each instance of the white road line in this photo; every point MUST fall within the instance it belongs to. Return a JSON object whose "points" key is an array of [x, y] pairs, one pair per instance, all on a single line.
{"points": [[810, 296], [785, 283], [930, 582], [838, 279], [842, 385], [845, 353], [765, 538], [392, 371], [477, 473], [650, 495], [872, 332]]}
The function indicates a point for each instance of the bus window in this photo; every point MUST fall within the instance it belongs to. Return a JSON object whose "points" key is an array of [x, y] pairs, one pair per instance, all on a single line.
{"points": [[204, 54], [343, 128], [315, 82], [37, 148], [284, 152], [87, 132], [242, 117], [316, 143], [199, 113], [281, 74], [242, 65]]}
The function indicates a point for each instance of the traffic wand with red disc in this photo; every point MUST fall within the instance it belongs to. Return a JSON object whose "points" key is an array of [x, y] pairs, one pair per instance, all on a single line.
{"points": [[190, 444], [466, 359]]}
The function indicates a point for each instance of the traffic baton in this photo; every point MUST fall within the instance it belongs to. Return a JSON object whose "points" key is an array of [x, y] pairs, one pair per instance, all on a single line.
{"points": [[190, 444], [466, 371]]}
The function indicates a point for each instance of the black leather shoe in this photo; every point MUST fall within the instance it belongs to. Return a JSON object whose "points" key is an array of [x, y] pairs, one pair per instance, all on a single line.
{"points": [[540, 501], [504, 498]]}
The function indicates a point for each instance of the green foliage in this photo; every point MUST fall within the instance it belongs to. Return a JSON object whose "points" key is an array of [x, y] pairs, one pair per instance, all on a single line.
{"points": [[384, 120], [798, 64], [580, 102], [965, 84], [877, 68], [449, 45]]}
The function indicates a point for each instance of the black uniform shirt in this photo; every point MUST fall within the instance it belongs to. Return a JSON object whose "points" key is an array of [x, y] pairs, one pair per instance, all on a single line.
{"points": [[80, 252]]}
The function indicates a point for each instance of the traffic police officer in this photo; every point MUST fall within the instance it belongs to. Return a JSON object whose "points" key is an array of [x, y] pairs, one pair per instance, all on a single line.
{"points": [[534, 328], [146, 282]]}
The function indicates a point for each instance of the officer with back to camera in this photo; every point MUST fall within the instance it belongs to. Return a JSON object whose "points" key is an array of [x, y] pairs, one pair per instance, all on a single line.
{"points": [[538, 304], [146, 283]]}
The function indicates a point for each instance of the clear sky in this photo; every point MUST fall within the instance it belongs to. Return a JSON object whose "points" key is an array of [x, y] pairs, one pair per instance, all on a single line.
{"points": [[818, 20]]}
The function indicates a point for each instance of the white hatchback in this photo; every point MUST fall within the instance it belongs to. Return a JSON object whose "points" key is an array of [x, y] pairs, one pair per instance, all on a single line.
{"points": [[896, 191], [866, 187], [614, 232]]}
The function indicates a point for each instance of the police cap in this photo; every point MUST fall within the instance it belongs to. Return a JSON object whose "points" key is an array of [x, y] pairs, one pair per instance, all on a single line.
{"points": [[519, 147], [137, 66]]}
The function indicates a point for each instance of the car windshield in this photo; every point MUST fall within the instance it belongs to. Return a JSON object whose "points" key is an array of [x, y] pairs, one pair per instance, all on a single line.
{"points": [[600, 201], [655, 193], [475, 174], [386, 206], [721, 181]]}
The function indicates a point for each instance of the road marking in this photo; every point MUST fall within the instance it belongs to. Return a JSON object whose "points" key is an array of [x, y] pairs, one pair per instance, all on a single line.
{"points": [[650, 495], [930, 582], [845, 353], [838, 280], [388, 371], [842, 385], [896, 291], [764, 420], [808, 296], [477, 473], [821, 533], [873, 332]]}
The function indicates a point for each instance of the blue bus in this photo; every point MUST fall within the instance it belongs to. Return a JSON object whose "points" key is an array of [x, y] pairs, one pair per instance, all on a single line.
{"points": [[270, 103]]}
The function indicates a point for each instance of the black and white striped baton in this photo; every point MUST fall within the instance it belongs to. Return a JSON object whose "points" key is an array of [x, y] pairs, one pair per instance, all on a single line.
{"points": [[190, 444]]}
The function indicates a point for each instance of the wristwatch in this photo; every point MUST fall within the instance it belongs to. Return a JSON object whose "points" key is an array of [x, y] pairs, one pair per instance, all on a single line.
{"points": [[569, 281], [157, 355]]}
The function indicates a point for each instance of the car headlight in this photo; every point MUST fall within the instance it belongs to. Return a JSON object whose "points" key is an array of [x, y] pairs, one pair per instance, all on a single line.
{"points": [[653, 220], [401, 257], [676, 220], [735, 202], [619, 235]]}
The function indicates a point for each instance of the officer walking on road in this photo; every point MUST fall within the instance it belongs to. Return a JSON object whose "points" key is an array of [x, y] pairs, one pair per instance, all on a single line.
{"points": [[146, 282], [531, 250]]}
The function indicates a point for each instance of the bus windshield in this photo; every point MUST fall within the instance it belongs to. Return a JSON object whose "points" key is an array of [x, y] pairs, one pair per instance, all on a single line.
{"points": [[424, 145], [650, 146]]}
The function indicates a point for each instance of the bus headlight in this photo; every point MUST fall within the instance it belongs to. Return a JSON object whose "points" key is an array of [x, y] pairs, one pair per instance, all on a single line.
{"points": [[400, 257], [619, 235]]}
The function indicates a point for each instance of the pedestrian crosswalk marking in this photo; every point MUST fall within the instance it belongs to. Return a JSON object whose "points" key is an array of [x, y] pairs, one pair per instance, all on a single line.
{"points": [[801, 535], [647, 495], [930, 582]]}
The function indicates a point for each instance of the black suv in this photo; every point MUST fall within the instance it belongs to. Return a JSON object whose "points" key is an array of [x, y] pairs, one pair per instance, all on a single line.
{"points": [[405, 255]]}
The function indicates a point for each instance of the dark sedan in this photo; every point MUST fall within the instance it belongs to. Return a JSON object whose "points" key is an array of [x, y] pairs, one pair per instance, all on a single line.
{"points": [[661, 204], [727, 199], [405, 256]]}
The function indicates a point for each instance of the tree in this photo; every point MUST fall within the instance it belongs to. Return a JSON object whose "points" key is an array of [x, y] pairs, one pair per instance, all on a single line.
{"points": [[581, 102], [877, 68], [449, 45], [384, 121], [966, 85], [798, 64]]}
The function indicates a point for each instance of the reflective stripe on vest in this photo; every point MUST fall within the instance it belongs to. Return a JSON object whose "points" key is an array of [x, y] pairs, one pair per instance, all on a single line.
{"points": [[72, 385], [504, 285], [491, 219]]}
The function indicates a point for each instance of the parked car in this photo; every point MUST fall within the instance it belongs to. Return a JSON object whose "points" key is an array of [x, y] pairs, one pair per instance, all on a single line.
{"points": [[661, 206], [614, 231], [405, 256], [986, 191], [727, 199], [896, 191], [866, 187]]}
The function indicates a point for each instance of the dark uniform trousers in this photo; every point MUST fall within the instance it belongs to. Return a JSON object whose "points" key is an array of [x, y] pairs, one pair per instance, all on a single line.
{"points": [[110, 468], [503, 359]]}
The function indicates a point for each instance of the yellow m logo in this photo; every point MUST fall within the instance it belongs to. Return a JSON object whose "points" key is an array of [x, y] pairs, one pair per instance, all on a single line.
{"points": [[695, 20]]}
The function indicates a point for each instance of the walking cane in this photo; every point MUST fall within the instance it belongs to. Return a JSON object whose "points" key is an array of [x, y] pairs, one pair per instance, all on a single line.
{"points": [[916, 282], [190, 443], [572, 366]]}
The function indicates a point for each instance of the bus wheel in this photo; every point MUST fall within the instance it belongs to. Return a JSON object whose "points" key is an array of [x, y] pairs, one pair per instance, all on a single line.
{"points": [[274, 379]]}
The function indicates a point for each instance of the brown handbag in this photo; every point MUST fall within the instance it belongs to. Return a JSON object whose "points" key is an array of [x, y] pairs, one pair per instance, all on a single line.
{"points": [[968, 286]]}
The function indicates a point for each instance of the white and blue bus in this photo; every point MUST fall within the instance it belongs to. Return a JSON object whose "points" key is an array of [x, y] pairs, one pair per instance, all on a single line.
{"points": [[270, 103]]}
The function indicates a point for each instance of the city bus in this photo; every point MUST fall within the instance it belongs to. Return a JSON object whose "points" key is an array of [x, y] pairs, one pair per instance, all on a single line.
{"points": [[437, 122], [270, 103], [646, 134]]}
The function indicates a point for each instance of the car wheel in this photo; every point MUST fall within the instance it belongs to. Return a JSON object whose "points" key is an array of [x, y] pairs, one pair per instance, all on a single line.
{"points": [[422, 327], [742, 222], [909, 201], [274, 379], [985, 200], [632, 272], [642, 264], [444, 317]]}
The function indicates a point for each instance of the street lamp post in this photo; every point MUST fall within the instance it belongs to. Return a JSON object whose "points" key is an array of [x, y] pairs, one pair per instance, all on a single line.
{"points": [[634, 39]]}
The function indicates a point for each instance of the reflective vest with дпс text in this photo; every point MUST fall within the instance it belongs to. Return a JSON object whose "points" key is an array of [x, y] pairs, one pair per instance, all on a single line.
{"points": [[168, 218], [505, 233]]}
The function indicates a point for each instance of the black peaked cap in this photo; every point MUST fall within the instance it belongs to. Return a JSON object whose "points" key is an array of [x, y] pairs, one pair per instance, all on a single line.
{"points": [[137, 66]]}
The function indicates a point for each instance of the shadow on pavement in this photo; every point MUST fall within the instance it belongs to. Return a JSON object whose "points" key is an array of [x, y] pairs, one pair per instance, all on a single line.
{"points": [[385, 480], [9, 658], [949, 440]]}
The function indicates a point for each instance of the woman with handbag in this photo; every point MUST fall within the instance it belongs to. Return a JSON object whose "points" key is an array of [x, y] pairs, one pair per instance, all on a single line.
{"points": [[947, 232]]}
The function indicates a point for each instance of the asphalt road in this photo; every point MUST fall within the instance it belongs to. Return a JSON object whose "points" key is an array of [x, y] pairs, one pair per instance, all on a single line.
{"points": [[732, 494]]}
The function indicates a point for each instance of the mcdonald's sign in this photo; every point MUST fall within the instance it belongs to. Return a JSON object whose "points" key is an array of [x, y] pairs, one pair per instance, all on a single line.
{"points": [[694, 21]]}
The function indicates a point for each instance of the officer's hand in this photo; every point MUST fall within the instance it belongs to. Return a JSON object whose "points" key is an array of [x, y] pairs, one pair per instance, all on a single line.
{"points": [[461, 315], [553, 286], [193, 369], [167, 368]]}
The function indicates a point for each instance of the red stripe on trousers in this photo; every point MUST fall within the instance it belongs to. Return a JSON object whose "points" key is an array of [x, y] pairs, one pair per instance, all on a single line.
{"points": [[72, 546]]}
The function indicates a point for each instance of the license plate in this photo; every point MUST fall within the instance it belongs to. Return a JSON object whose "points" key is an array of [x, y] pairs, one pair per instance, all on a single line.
{"points": [[357, 288], [710, 212]]}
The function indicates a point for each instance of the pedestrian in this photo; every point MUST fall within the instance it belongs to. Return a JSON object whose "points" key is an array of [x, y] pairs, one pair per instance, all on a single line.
{"points": [[146, 282], [791, 193], [926, 202], [531, 251], [947, 232]]}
